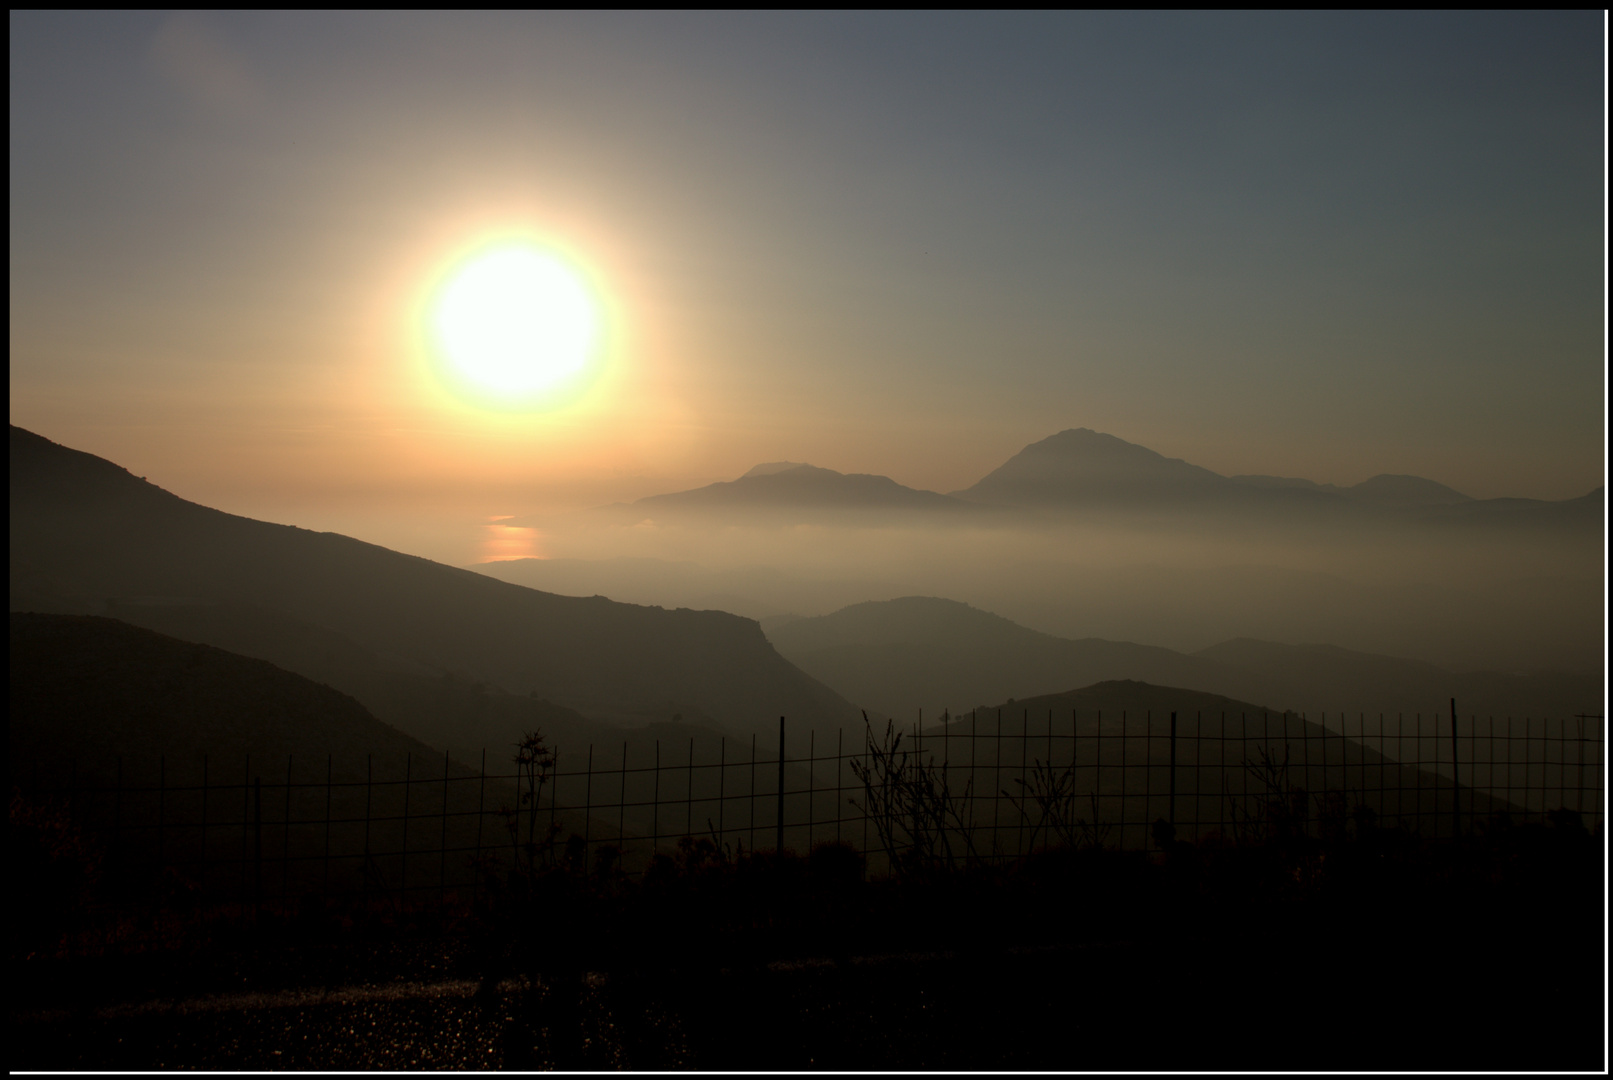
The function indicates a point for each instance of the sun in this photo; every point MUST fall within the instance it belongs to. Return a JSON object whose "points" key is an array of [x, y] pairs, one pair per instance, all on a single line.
{"points": [[515, 325]]}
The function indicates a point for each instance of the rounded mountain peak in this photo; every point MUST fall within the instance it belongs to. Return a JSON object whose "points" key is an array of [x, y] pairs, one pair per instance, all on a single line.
{"points": [[1081, 463]]}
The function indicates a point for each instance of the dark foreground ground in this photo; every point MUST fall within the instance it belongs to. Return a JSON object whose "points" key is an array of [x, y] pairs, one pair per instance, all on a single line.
{"points": [[1377, 952], [1253, 1004]]}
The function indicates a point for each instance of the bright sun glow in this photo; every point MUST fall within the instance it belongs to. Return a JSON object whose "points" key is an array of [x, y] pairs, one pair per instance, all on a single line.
{"points": [[516, 322]]}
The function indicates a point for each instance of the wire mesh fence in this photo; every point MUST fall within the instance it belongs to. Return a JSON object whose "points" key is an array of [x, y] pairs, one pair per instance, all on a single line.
{"points": [[971, 789]]}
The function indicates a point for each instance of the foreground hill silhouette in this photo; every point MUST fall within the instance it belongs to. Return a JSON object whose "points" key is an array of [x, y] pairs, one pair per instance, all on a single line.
{"points": [[1119, 775], [89, 538], [925, 652], [148, 738], [89, 689], [896, 656]]}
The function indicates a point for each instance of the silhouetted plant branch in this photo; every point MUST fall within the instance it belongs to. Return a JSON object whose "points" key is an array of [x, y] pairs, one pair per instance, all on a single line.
{"points": [[1280, 808], [534, 764], [921, 823], [1053, 794]]}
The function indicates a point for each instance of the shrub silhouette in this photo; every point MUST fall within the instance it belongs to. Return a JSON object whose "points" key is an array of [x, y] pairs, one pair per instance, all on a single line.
{"points": [[1053, 795], [923, 826], [55, 870]]}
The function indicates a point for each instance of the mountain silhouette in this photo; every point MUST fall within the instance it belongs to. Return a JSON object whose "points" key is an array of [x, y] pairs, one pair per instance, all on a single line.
{"points": [[755, 591], [787, 484], [88, 688], [1209, 766], [1384, 489], [1081, 467], [768, 468], [1327, 677], [1390, 490], [154, 737], [1081, 464], [1585, 512], [88, 537], [1133, 696], [897, 656]]}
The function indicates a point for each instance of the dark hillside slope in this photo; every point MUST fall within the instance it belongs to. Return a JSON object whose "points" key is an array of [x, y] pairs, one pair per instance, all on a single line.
{"points": [[1327, 678], [449, 711], [170, 752], [1313, 773], [1135, 698], [897, 656], [84, 533], [89, 689]]}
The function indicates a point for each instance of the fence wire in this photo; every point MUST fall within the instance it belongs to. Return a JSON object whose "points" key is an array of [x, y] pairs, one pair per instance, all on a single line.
{"points": [[977, 788]]}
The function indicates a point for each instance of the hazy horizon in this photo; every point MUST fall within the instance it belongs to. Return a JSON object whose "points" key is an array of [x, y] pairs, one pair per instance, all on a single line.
{"points": [[1325, 246], [1320, 245]]}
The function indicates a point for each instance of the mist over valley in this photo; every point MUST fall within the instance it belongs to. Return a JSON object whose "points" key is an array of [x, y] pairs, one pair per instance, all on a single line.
{"points": [[1084, 535], [591, 650]]}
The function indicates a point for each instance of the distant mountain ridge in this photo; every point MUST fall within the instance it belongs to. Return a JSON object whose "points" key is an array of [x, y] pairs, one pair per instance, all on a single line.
{"points": [[1081, 463], [925, 652], [789, 484], [768, 468], [1384, 489], [1080, 466]]}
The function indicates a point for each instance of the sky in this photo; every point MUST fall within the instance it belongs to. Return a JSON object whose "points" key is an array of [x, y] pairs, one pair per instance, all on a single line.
{"points": [[1327, 246]]}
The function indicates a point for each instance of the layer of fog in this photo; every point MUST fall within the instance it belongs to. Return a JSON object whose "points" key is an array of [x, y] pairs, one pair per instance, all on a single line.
{"points": [[1468, 597]]}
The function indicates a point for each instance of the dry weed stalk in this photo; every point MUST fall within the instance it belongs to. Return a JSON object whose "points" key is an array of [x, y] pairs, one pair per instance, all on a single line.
{"points": [[534, 764], [1053, 795], [1280, 810], [921, 823]]}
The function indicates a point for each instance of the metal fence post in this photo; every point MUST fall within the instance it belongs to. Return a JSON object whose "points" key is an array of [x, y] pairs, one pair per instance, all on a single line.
{"points": [[285, 840], [554, 792], [246, 831], [369, 800], [1024, 740], [1456, 780], [403, 868], [621, 804], [779, 841], [1579, 783], [162, 805], [839, 777], [481, 806], [117, 823], [587, 809], [325, 880], [202, 873], [1171, 813], [442, 841], [257, 847], [812, 753]]}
